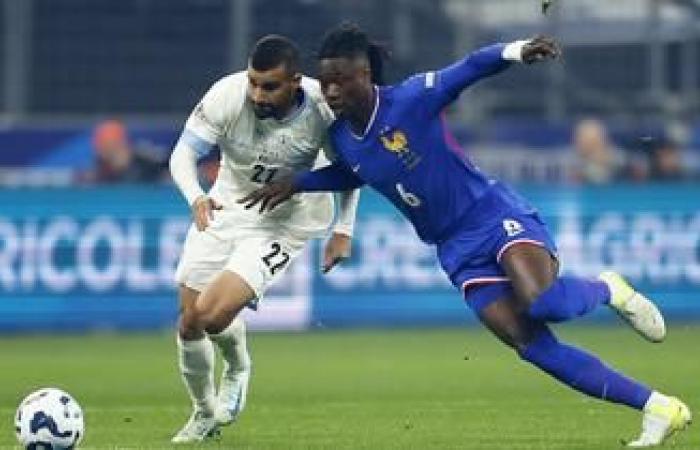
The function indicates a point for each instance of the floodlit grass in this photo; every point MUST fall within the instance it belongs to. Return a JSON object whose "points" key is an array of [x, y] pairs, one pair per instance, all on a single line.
{"points": [[369, 389]]}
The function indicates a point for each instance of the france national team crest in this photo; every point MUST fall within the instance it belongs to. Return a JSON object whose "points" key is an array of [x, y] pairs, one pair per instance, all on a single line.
{"points": [[512, 227], [396, 142]]}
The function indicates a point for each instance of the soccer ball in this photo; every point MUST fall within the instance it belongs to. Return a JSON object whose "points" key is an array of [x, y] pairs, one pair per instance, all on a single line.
{"points": [[49, 419]]}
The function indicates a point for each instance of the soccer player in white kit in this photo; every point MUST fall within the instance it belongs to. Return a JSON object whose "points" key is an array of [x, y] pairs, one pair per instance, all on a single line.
{"points": [[268, 121]]}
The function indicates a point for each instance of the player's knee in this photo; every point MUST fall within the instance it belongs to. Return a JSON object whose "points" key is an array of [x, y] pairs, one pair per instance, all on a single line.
{"points": [[519, 342], [190, 326], [513, 335], [217, 324], [213, 318], [217, 318], [536, 344], [529, 293]]}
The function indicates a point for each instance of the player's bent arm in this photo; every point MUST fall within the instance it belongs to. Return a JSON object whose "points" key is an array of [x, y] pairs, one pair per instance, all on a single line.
{"points": [[183, 164], [449, 82], [446, 84], [332, 178], [348, 200]]}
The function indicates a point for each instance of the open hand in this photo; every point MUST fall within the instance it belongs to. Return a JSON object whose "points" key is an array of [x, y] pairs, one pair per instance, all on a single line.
{"points": [[337, 250], [202, 211], [270, 195]]}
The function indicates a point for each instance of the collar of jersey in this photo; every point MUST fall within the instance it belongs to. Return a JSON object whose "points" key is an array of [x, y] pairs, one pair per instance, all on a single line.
{"points": [[371, 118]]}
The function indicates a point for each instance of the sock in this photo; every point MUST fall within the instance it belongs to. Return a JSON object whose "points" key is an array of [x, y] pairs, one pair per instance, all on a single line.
{"points": [[656, 398], [569, 297], [232, 343], [197, 368], [583, 372]]}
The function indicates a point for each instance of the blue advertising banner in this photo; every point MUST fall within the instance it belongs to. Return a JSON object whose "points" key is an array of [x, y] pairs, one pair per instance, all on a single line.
{"points": [[649, 233], [105, 258]]}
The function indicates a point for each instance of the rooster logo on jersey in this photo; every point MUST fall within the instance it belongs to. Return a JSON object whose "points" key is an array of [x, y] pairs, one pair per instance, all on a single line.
{"points": [[397, 143]]}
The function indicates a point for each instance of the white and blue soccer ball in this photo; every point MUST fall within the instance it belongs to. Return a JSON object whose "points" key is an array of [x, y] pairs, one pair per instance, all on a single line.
{"points": [[49, 419]]}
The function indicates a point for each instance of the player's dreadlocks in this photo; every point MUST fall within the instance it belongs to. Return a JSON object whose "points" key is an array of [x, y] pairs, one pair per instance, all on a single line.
{"points": [[348, 40]]}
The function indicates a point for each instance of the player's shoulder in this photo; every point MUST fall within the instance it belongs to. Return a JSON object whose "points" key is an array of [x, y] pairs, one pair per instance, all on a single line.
{"points": [[229, 83], [222, 103], [315, 99], [415, 85], [311, 87]]}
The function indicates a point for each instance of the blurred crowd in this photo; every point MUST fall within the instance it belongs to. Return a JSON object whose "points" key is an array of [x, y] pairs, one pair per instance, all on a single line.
{"points": [[118, 160], [594, 156], [647, 158]]}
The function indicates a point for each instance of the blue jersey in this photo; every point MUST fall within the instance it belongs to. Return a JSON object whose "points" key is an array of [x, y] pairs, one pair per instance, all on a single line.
{"points": [[406, 154]]}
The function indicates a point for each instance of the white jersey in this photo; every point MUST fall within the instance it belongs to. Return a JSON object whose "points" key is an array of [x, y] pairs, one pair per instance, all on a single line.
{"points": [[255, 151]]}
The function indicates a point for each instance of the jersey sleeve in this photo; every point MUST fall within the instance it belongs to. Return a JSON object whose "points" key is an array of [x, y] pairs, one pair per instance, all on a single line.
{"points": [[347, 211], [218, 109], [439, 88], [333, 178]]}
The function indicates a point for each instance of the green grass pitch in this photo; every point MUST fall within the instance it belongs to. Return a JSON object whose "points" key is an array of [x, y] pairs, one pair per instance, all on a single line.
{"points": [[369, 389]]}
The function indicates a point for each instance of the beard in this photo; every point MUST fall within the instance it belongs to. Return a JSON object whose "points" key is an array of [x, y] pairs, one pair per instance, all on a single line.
{"points": [[264, 110]]}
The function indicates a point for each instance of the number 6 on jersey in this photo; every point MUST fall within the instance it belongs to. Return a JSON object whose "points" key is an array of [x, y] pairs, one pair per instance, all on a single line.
{"points": [[411, 199]]}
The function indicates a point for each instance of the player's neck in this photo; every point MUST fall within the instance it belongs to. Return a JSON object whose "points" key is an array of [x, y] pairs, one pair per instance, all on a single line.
{"points": [[361, 117], [296, 103]]}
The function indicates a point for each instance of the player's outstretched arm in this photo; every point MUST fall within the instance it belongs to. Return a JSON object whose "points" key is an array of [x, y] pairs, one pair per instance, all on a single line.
{"points": [[332, 178], [446, 84]]}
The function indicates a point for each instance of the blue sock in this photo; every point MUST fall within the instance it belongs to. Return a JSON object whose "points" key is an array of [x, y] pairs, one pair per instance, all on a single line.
{"points": [[583, 372], [569, 297]]}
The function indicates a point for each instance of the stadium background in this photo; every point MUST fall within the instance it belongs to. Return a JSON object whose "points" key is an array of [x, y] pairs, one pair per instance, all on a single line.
{"points": [[83, 255]]}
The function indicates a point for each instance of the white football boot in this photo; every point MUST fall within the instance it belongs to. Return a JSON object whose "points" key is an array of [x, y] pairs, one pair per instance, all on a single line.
{"points": [[663, 416], [233, 390], [638, 311], [199, 427]]}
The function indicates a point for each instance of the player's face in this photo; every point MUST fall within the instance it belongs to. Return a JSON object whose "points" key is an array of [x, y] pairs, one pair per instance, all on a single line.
{"points": [[272, 92], [346, 84]]}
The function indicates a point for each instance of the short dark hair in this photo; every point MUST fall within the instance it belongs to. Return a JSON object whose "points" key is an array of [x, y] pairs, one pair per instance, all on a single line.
{"points": [[272, 50], [348, 40]]}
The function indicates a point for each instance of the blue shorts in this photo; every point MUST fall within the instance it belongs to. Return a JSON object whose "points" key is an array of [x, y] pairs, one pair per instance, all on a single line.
{"points": [[471, 257]]}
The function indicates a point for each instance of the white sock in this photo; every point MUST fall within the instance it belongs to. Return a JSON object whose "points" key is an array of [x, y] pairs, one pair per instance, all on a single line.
{"points": [[656, 398], [197, 368], [232, 343]]}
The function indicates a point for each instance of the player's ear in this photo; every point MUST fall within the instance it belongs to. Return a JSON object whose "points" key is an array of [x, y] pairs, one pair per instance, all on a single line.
{"points": [[365, 70], [367, 74]]}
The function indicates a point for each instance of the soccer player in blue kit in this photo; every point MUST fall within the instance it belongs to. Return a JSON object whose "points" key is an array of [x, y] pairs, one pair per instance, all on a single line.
{"points": [[490, 241]]}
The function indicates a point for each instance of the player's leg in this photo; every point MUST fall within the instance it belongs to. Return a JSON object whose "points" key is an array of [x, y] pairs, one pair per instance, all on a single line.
{"points": [[235, 374], [218, 309], [260, 258], [213, 311], [535, 343], [196, 364], [551, 298], [204, 256], [547, 297]]}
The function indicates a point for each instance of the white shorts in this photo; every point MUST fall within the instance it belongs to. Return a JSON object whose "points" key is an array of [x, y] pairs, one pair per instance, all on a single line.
{"points": [[260, 257]]}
